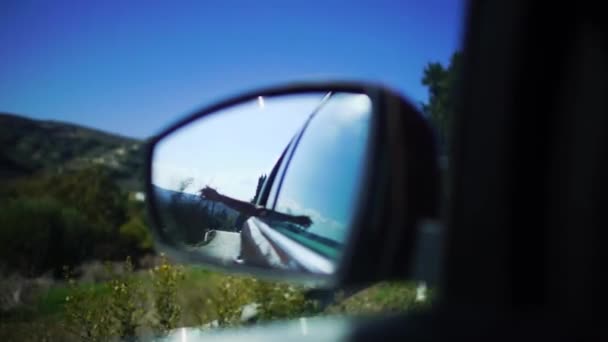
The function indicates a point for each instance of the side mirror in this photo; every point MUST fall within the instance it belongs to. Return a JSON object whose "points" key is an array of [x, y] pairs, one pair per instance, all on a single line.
{"points": [[319, 183]]}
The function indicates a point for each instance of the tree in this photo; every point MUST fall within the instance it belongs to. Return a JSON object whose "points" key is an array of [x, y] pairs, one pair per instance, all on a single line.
{"points": [[91, 191], [442, 85]]}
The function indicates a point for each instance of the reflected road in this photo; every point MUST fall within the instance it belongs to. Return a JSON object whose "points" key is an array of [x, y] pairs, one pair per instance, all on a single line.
{"points": [[224, 246]]}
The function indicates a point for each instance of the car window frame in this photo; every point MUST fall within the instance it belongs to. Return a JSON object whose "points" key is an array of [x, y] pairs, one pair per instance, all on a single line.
{"points": [[268, 183], [277, 172], [281, 171], [291, 149]]}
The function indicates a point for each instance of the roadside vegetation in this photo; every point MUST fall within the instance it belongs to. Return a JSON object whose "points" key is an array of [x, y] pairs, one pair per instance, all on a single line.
{"points": [[77, 261], [148, 303], [77, 264]]}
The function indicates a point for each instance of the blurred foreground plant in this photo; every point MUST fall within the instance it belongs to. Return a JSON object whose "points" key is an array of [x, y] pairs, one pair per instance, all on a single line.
{"points": [[166, 278], [127, 302], [87, 315], [242, 300], [116, 308]]}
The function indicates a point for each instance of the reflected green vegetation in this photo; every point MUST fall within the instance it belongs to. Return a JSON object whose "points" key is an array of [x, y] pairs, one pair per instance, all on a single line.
{"points": [[187, 217]]}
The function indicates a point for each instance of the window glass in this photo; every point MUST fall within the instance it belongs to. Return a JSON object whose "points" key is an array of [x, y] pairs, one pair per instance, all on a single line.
{"points": [[324, 175]]}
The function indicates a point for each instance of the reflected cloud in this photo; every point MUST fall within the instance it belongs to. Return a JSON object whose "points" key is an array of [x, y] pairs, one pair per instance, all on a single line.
{"points": [[349, 115], [352, 108]]}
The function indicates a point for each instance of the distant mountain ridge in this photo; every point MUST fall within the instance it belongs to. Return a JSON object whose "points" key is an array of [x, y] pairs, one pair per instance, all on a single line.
{"points": [[29, 146]]}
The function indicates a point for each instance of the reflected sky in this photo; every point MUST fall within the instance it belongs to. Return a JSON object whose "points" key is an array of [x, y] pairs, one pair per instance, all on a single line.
{"points": [[230, 149], [323, 178]]}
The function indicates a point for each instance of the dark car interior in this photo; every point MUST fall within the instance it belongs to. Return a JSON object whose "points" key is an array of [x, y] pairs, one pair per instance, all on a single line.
{"points": [[525, 215]]}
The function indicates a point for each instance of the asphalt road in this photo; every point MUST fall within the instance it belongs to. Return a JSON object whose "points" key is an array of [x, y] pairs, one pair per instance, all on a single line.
{"points": [[224, 246]]}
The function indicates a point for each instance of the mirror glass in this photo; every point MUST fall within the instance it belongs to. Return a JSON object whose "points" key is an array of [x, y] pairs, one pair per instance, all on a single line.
{"points": [[271, 183]]}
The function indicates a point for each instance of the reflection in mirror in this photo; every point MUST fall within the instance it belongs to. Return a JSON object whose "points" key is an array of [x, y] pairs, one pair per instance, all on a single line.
{"points": [[270, 183]]}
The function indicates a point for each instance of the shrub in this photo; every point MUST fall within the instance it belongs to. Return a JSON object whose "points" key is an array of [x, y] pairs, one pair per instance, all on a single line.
{"points": [[135, 304], [91, 191], [282, 301], [165, 283], [127, 302], [111, 309], [135, 234], [87, 313], [384, 297], [272, 300], [119, 308], [38, 234], [64, 219]]}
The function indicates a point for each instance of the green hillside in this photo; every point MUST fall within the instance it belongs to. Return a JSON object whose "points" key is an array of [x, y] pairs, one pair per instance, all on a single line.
{"points": [[29, 147]]}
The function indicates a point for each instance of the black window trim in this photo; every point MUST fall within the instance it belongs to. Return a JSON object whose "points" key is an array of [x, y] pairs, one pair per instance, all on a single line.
{"points": [[296, 142], [267, 187]]}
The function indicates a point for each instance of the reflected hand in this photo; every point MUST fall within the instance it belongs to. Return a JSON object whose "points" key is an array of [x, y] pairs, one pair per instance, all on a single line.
{"points": [[302, 221], [210, 194]]}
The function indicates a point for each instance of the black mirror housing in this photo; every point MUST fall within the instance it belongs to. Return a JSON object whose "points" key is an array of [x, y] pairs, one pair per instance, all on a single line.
{"points": [[400, 171]]}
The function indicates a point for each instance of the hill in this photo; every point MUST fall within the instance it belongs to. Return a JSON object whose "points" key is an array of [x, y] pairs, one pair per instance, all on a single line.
{"points": [[29, 146]]}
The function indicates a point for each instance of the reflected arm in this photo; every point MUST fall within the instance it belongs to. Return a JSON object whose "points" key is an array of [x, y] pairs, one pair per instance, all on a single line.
{"points": [[242, 207], [250, 209], [245, 208]]}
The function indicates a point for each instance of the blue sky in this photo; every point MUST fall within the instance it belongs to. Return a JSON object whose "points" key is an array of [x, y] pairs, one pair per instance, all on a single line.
{"points": [[230, 150], [132, 67]]}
